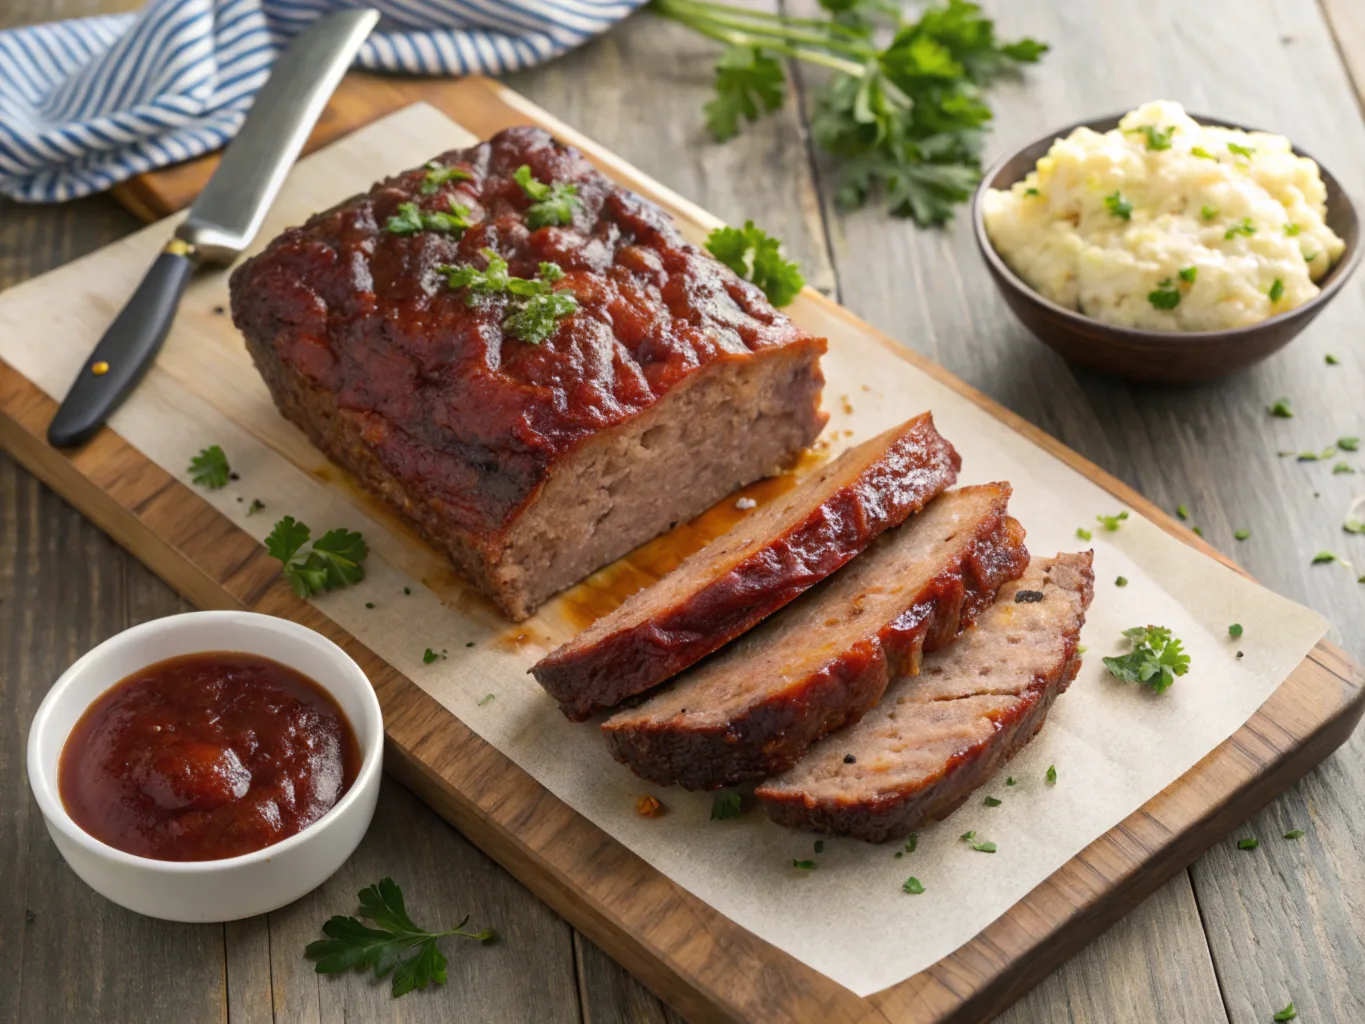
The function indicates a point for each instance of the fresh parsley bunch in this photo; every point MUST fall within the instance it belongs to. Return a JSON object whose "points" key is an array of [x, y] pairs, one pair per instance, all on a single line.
{"points": [[334, 562], [395, 945], [1155, 660], [905, 119]]}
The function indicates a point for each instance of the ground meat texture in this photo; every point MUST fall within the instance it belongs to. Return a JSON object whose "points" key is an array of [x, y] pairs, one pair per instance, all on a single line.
{"points": [[936, 737], [530, 465], [754, 708], [739, 579]]}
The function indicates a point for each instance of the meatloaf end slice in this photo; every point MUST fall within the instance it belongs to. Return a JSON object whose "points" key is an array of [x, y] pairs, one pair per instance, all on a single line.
{"points": [[756, 707], [766, 561], [937, 737]]}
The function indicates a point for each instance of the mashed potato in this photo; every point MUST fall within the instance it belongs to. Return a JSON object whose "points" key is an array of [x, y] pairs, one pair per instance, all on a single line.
{"points": [[1168, 225]]}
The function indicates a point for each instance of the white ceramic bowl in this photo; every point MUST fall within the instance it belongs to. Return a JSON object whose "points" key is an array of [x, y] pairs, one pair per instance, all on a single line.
{"points": [[235, 887]]}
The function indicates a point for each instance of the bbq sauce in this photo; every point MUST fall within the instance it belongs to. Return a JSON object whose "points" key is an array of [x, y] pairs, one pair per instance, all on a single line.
{"points": [[207, 756]]}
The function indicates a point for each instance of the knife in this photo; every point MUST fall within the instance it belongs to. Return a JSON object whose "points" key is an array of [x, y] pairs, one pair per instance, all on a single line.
{"points": [[222, 221]]}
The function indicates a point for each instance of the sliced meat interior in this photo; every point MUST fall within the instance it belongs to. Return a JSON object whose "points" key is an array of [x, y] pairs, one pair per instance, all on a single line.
{"points": [[938, 736], [766, 561], [754, 708]]}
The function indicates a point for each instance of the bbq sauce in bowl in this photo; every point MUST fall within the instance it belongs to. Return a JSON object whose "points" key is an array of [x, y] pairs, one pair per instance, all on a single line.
{"points": [[207, 756]]}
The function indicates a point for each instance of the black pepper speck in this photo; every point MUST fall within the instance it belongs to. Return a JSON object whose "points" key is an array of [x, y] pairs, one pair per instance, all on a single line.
{"points": [[850, 759], [1028, 597]]}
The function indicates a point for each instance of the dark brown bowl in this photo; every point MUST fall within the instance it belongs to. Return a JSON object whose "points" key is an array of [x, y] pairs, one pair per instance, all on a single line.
{"points": [[1156, 356]]}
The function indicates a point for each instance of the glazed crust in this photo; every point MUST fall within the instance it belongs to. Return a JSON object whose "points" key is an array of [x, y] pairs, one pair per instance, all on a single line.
{"points": [[741, 578], [780, 713]]}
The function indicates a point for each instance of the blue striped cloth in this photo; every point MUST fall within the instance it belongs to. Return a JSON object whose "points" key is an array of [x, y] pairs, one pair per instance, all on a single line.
{"points": [[86, 103]]}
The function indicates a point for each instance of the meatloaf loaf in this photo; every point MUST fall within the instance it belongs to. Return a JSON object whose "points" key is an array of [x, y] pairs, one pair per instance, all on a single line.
{"points": [[823, 661], [537, 419], [739, 579], [936, 737]]}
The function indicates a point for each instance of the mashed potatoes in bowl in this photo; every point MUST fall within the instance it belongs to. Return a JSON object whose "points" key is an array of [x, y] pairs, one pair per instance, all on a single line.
{"points": [[1166, 224]]}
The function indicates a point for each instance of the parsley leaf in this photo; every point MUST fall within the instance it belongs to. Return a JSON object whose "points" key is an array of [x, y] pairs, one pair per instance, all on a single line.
{"points": [[1235, 630], [257, 505], [1248, 843], [1051, 777], [210, 468], [1241, 534], [353, 945], [1294, 833], [1276, 291], [1083, 533], [429, 657], [1351, 526], [1111, 523], [539, 317], [1202, 154], [757, 257], [1246, 152], [340, 552], [913, 886], [1288, 1013], [1342, 467], [992, 801], [1324, 557], [725, 805], [1182, 511], [1157, 137], [1280, 407], [1242, 227], [1120, 207], [333, 563], [287, 538], [1188, 274], [1292, 229], [410, 219], [1165, 297], [1155, 660], [438, 176], [1348, 444], [1120, 581], [551, 204], [804, 865], [1331, 360]]}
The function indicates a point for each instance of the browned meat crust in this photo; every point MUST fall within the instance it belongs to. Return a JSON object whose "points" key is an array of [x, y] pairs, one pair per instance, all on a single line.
{"points": [[937, 737], [757, 706], [766, 561], [531, 465]]}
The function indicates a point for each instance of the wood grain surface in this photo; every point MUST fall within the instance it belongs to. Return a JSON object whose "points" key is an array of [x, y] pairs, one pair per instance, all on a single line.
{"points": [[1253, 929]]}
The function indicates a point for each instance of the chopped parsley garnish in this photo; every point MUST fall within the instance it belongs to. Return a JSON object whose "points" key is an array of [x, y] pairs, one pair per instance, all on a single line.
{"points": [[1294, 833], [1310, 257], [1242, 227], [1276, 291], [1323, 557], [1157, 137], [385, 942], [1352, 526], [1118, 206], [757, 257], [1348, 444], [1030, 192], [1166, 296], [1202, 154], [1248, 843], [1011, 781], [539, 317], [210, 468], [1235, 630], [1182, 511], [428, 656], [407, 591], [534, 319], [1241, 534], [256, 505], [410, 219], [1280, 407], [369, 604], [912, 885], [819, 846], [1342, 467], [485, 699], [1051, 777], [1196, 531], [725, 806], [1288, 1013], [1111, 523], [982, 847], [1120, 581], [1188, 274], [991, 801], [1292, 229], [1083, 533], [333, 563], [551, 204], [1155, 660], [911, 841], [1208, 212], [1237, 149], [804, 865], [1331, 360], [438, 176]]}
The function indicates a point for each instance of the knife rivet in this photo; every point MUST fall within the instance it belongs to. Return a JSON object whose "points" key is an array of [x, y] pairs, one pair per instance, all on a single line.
{"points": [[100, 369]]}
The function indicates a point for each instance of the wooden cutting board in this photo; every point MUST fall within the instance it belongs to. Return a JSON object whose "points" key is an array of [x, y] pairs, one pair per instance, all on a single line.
{"points": [[696, 959]]}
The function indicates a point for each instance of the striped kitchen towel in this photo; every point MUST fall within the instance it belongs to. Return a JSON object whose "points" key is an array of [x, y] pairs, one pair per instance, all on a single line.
{"points": [[86, 103]]}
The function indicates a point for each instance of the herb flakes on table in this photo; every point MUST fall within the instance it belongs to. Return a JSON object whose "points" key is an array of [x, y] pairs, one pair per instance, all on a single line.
{"points": [[1281, 408], [1288, 1013], [1248, 843], [725, 806], [913, 886]]}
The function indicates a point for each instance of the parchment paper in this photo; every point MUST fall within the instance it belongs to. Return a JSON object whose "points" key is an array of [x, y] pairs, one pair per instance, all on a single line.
{"points": [[1114, 745]]}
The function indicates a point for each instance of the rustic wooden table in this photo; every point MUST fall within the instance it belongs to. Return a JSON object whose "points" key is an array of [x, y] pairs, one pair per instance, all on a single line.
{"points": [[1233, 938]]}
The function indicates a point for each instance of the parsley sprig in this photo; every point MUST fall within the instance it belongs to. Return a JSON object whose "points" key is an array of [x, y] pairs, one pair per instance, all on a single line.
{"points": [[395, 945], [757, 257], [537, 316], [411, 219], [335, 561], [1155, 659], [550, 204], [210, 468], [905, 119], [437, 176]]}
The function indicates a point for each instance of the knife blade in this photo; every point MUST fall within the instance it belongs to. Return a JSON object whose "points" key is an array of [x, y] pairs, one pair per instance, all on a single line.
{"points": [[222, 221]]}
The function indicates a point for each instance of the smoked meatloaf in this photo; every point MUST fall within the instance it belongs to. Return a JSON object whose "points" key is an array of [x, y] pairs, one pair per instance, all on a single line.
{"points": [[767, 560], [390, 335], [822, 662], [935, 738]]}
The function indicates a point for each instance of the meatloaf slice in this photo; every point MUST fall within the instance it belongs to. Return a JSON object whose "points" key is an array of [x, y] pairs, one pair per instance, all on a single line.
{"points": [[756, 707], [668, 383], [936, 737], [739, 579]]}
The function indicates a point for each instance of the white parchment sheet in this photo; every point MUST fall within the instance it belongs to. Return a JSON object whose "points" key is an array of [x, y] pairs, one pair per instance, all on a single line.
{"points": [[1114, 745]]}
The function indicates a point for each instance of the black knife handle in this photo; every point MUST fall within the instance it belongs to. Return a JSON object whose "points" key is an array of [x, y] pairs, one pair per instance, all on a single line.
{"points": [[125, 351]]}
